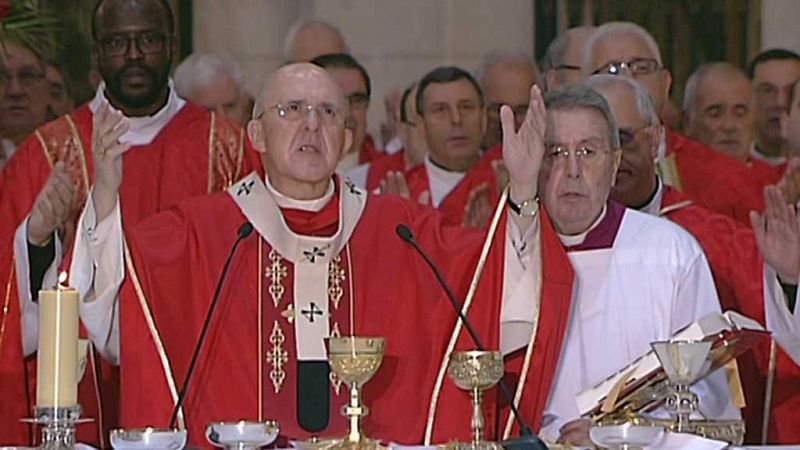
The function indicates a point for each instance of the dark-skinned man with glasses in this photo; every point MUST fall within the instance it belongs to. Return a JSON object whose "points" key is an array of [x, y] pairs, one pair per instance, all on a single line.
{"points": [[172, 150], [709, 178], [744, 282]]}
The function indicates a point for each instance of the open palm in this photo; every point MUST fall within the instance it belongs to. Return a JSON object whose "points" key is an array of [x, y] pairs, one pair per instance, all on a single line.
{"points": [[523, 149], [778, 236]]}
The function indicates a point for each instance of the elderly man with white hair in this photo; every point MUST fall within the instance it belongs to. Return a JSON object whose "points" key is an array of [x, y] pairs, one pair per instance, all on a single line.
{"points": [[214, 82], [561, 64], [632, 269], [308, 39], [709, 178], [744, 282]]}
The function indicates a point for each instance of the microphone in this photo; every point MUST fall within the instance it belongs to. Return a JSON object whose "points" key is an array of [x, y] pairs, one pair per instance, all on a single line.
{"points": [[245, 230], [527, 440]]}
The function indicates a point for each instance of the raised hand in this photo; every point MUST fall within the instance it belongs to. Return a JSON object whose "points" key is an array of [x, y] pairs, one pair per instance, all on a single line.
{"points": [[55, 204], [523, 150], [108, 127], [479, 207], [777, 235], [395, 184]]}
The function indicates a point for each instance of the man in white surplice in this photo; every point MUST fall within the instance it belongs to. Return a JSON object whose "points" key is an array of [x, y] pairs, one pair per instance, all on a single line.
{"points": [[638, 278]]}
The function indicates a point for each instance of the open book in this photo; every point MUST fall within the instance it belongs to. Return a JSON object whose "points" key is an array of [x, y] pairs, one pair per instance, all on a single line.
{"points": [[636, 387]]}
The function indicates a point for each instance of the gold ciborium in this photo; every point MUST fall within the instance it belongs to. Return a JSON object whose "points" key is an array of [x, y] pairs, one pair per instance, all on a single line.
{"points": [[475, 371], [355, 360]]}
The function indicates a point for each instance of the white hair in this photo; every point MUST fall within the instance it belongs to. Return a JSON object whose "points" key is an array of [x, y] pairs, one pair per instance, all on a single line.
{"points": [[302, 25], [610, 29], [691, 91], [644, 103], [200, 70], [495, 57]]}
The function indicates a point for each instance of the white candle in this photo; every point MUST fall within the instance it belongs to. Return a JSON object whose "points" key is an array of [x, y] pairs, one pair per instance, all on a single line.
{"points": [[57, 359]]}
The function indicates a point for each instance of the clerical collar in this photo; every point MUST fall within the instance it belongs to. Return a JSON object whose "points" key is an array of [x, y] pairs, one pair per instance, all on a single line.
{"points": [[142, 130], [756, 153], [653, 207], [601, 234], [285, 202], [440, 180], [661, 153]]}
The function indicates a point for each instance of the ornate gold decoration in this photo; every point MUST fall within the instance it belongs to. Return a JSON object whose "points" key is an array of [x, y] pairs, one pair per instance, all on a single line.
{"points": [[277, 357], [336, 382], [6, 307], [276, 273], [288, 313], [335, 279]]}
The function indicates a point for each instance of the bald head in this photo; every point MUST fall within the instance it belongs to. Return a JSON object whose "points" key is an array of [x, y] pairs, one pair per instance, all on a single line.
{"points": [[287, 81], [561, 64], [308, 40], [718, 109], [506, 79]]}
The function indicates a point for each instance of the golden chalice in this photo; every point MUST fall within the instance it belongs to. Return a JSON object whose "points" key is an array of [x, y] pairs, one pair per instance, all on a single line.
{"points": [[355, 360], [475, 371]]}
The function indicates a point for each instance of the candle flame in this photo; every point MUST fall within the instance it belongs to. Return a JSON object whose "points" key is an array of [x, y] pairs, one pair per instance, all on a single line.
{"points": [[62, 280]]}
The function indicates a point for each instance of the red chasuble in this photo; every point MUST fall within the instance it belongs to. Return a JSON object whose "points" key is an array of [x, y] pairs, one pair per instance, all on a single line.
{"points": [[711, 179], [377, 286], [194, 154], [529, 371], [738, 271], [454, 204], [381, 166], [765, 174]]}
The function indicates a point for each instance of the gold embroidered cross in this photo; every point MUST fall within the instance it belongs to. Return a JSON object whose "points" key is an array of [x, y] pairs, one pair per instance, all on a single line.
{"points": [[276, 272], [277, 357], [335, 279]]}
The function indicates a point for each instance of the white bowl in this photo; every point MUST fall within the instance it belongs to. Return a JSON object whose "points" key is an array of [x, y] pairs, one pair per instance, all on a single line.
{"points": [[148, 438], [242, 433], [615, 436]]}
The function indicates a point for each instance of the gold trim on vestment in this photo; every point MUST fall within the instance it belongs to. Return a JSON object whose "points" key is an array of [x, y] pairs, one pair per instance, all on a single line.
{"points": [[523, 377], [773, 356], [487, 244], [276, 273], [277, 357], [7, 301], [260, 353], [667, 169], [96, 377], [47, 156], [151, 325], [674, 207], [211, 130]]}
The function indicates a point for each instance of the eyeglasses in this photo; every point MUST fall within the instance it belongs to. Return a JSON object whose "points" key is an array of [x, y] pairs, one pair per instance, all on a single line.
{"points": [[147, 43], [636, 66], [628, 137], [566, 67], [584, 153], [26, 76], [295, 111]]}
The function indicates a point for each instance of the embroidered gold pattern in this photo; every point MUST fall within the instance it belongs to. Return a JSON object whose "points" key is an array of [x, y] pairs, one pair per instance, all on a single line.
{"points": [[336, 382], [335, 279], [277, 357], [276, 273], [6, 307], [288, 313]]}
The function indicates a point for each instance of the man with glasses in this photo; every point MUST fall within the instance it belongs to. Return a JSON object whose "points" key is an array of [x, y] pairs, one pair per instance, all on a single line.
{"points": [[561, 64], [744, 283], [356, 85], [413, 151], [710, 178], [634, 269], [772, 72], [175, 150], [323, 261], [25, 96], [506, 79]]}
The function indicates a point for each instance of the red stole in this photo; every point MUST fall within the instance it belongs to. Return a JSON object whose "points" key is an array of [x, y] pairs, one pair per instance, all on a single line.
{"points": [[453, 410], [737, 267], [194, 154]]}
